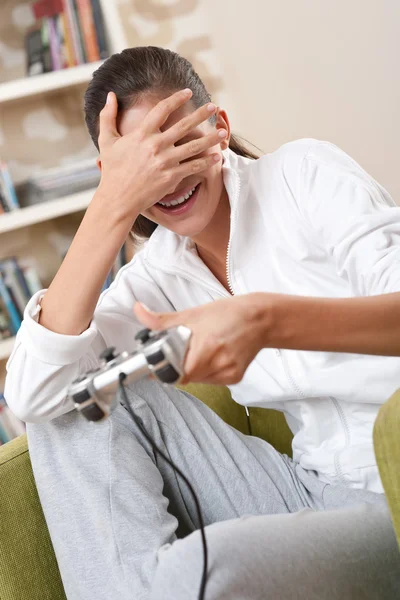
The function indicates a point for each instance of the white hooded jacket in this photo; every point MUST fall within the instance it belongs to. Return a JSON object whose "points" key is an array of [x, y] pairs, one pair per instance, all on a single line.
{"points": [[305, 220]]}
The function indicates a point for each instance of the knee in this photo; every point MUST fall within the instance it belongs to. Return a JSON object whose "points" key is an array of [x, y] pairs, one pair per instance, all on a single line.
{"points": [[179, 570]]}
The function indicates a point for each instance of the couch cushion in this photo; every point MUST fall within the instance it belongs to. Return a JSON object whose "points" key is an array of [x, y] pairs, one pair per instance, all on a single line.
{"points": [[28, 566]]}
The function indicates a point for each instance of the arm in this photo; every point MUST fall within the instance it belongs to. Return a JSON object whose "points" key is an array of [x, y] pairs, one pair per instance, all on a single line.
{"points": [[357, 225], [137, 170], [357, 325]]}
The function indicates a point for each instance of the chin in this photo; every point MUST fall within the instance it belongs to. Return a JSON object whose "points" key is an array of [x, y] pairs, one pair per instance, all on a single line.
{"points": [[191, 228]]}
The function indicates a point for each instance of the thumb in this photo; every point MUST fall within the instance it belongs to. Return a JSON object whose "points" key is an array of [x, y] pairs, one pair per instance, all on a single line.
{"points": [[108, 132], [154, 320]]}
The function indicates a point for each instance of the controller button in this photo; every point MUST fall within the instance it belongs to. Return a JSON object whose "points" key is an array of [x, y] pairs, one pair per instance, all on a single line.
{"points": [[156, 357], [93, 413], [108, 354], [167, 374], [81, 396], [143, 335]]}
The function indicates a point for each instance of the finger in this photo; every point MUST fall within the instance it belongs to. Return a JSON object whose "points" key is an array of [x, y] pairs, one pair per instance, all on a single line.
{"points": [[195, 147], [184, 126], [154, 320], [108, 132], [197, 165], [156, 118]]}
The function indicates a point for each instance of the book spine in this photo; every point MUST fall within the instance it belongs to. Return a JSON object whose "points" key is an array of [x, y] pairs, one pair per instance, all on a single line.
{"points": [[74, 31], [3, 201], [80, 32], [69, 48], [46, 54], [32, 280], [54, 44], [88, 30], [21, 279], [46, 8], [100, 29], [5, 325], [34, 52], [61, 41], [15, 319], [11, 196], [13, 286]]}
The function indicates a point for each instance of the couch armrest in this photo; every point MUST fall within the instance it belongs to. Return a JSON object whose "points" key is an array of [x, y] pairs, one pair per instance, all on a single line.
{"points": [[28, 565], [387, 451]]}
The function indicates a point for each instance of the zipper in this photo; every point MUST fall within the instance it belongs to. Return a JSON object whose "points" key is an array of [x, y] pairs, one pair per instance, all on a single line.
{"points": [[233, 223], [343, 420]]}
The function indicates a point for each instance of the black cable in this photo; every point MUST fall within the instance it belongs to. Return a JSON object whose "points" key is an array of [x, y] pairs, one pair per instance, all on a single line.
{"points": [[139, 423]]}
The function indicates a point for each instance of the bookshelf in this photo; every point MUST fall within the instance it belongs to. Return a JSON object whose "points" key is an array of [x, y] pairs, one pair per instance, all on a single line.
{"points": [[48, 82], [45, 211], [17, 224]]}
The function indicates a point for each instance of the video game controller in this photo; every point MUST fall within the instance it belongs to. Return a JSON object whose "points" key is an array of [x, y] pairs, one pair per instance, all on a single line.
{"points": [[159, 354]]}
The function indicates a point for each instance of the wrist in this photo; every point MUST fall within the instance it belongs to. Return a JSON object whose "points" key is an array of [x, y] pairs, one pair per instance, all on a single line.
{"points": [[113, 206], [275, 317], [261, 309]]}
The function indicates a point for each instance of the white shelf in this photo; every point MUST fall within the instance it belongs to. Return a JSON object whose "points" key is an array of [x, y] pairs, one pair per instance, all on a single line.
{"points": [[23, 217], [6, 347], [48, 82]]}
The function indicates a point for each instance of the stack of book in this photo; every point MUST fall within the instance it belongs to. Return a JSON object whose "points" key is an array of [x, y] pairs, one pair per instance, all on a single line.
{"points": [[67, 33], [60, 181], [19, 280], [8, 197], [10, 425]]}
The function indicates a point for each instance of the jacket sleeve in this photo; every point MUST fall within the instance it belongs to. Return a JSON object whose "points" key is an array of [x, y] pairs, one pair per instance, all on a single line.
{"points": [[44, 363], [353, 218]]}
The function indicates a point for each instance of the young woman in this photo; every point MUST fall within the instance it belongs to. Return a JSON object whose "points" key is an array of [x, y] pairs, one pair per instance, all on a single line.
{"points": [[254, 256]]}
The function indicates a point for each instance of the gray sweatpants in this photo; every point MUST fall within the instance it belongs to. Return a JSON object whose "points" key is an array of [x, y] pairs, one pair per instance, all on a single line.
{"points": [[125, 528]]}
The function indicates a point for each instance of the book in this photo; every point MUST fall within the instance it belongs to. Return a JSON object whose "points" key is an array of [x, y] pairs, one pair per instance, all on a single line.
{"points": [[47, 8], [13, 265], [67, 47], [78, 25], [13, 287], [15, 319], [3, 203], [88, 30], [47, 59], [73, 30], [8, 187], [31, 275], [100, 29], [35, 64], [5, 325], [54, 41]]}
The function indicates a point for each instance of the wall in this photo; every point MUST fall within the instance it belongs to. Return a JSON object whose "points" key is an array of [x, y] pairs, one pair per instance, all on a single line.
{"points": [[284, 70]]}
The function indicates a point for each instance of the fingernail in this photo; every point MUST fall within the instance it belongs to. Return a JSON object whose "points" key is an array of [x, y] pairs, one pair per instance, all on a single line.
{"points": [[216, 157], [223, 133], [109, 97], [187, 91], [211, 107]]}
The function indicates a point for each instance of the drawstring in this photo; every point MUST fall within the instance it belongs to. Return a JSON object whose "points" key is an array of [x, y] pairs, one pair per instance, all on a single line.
{"points": [[248, 420]]}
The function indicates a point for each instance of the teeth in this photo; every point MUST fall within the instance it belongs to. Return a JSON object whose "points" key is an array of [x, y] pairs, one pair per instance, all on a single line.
{"points": [[178, 200]]}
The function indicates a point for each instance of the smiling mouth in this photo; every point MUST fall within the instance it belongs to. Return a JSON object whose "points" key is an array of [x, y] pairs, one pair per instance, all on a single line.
{"points": [[180, 204], [178, 201]]}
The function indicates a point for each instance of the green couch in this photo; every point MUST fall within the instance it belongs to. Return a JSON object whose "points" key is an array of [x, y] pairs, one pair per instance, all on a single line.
{"points": [[28, 567]]}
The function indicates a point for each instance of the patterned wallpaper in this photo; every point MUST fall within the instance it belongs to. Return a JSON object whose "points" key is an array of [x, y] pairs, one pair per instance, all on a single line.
{"points": [[46, 131]]}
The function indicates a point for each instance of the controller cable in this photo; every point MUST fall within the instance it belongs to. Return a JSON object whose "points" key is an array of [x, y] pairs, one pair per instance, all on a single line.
{"points": [[139, 423]]}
